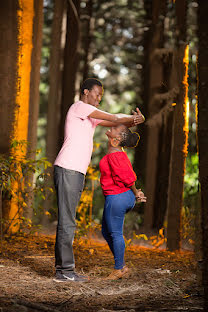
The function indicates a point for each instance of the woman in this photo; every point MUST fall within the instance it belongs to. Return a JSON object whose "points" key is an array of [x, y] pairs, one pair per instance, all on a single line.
{"points": [[118, 185]]}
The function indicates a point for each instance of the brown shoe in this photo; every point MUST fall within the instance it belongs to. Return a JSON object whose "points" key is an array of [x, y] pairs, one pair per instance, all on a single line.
{"points": [[117, 274]]}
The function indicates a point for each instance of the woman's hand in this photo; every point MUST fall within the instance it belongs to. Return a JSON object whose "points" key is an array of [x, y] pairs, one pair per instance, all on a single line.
{"points": [[140, 198]]}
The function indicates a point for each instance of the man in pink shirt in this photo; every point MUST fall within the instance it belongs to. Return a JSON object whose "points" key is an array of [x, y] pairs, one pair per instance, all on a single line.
{"points": [[71, 165]]}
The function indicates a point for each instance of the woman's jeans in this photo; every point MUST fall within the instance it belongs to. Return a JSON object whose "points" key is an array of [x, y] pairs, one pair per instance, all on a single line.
{"points": [[116, 206], [69, 185]]}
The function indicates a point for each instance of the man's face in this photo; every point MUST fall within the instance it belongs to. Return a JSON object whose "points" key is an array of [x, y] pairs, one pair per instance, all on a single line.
{"points": [[94, 96]]}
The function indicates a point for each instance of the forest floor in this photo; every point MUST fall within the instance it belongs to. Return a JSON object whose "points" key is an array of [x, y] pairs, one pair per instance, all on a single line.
{"points": [[160, 280]]}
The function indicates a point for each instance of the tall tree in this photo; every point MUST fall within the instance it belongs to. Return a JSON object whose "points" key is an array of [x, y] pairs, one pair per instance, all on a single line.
{"points": [[8, 66], [180, 131], [17, 28], [87, 26], [71, 59], [203, 136], [34, 90], [140, 150], [55, 79], [58, 38], [155, 88]]}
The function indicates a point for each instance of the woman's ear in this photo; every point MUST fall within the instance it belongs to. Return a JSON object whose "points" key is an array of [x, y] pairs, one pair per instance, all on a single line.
{"points": [[86, 91], [114, 142]]}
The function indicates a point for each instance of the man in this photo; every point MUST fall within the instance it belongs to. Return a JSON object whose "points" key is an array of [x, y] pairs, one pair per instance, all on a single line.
{"points": [[71, 165]]}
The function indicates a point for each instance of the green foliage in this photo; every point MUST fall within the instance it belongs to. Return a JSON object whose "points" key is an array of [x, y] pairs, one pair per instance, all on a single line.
{"points": [[85, 223], [191, 176], [22, 178], [191, 183]]}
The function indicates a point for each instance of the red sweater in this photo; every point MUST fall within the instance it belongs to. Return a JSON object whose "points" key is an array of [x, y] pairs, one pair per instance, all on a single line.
{"points": [[117, 175]]}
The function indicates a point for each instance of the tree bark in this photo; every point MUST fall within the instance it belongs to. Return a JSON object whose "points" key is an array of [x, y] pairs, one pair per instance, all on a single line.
{"points": [[55, 79], [140, 150], [87, 27], [180, 132], [71, 59], [16, 27], [34, 93], [178, 151], [55, 93], [203, 137], [155, 86], [8, 66]]}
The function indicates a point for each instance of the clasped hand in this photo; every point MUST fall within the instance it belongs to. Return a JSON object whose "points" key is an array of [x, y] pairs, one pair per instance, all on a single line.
{"points": [[140, 198]]}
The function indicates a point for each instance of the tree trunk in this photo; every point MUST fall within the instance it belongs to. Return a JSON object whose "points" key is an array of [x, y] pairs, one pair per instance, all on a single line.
{"points": [[153, 131], [87, 28], [34, 93], [54, 98], [180, 131], [160, 204], [8, 66], [203, 136], [140, 150], [178, 150], [71, 59], [55, 81], [17, 22]]}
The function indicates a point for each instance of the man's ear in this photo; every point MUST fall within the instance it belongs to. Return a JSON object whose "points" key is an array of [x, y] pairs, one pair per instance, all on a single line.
{"points": [[86, 91]]}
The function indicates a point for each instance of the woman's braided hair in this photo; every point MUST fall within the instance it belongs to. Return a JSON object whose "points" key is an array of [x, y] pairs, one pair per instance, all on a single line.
{"points": [[129, 138]]}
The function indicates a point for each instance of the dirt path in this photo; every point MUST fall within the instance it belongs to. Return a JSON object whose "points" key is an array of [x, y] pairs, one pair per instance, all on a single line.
{"points": [[160, 280]]}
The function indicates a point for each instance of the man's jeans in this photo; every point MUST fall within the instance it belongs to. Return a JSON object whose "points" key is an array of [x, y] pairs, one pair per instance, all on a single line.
{"points": [[116, 206], [69, 185]]}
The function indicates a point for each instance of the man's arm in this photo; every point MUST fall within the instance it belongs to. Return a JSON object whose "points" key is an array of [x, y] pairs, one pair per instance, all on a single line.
{"points": [[110, 120]]}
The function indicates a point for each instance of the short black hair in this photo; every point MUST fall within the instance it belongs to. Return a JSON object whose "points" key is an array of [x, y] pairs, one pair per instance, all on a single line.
{"points": [[89, 84], [129, 139]]}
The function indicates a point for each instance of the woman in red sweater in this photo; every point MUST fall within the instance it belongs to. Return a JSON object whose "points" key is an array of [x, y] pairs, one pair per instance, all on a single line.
{"points": [[118, 185]]}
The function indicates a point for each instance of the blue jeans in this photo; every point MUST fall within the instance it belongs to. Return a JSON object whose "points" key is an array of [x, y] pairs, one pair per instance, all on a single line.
{"points": [[69, 185], [116, 206]]}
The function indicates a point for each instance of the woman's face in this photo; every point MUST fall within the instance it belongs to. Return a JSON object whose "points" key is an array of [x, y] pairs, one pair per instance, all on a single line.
{"points": [[115, 132]]}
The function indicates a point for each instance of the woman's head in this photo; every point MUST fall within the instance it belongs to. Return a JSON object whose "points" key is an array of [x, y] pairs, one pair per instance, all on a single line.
{"points": [[122, 136]]}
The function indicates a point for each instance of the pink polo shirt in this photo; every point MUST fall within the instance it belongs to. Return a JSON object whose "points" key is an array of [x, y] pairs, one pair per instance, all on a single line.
{"points": [[76, 150]]}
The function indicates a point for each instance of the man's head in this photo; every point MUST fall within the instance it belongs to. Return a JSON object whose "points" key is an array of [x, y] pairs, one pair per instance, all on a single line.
{"points": [[92, 91]]}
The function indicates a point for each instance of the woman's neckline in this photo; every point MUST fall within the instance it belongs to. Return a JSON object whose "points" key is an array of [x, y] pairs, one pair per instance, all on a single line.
{"points": [[115, 151]]}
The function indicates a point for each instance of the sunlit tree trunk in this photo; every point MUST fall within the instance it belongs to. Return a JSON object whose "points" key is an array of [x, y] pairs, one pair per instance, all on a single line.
{"points": [[71, 59], [17, 19], [155, 87], [203, 137], [34, 94], [8, 66], [180, 131]]}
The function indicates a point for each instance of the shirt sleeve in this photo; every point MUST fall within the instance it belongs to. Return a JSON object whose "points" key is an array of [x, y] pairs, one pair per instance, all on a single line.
{"points": [[121, 169], [83, 110], [95, 122]]}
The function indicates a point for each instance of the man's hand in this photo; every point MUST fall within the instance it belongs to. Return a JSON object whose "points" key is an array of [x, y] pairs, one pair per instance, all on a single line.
{"points": [[138, 117]]}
